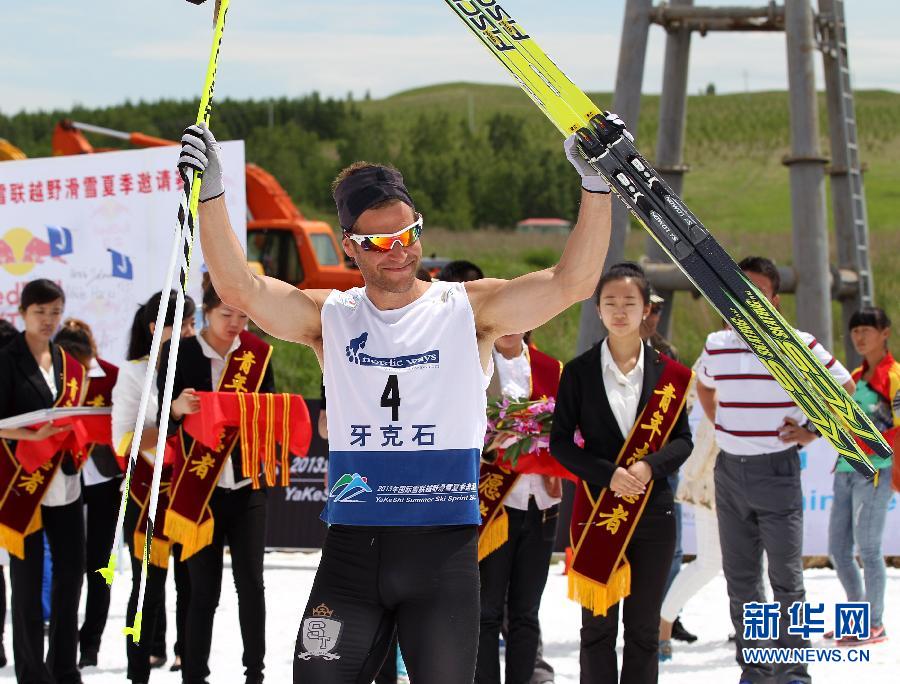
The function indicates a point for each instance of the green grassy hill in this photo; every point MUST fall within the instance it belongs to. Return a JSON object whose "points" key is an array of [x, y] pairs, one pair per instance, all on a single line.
{"points": [[483, 156], [737, 185]]}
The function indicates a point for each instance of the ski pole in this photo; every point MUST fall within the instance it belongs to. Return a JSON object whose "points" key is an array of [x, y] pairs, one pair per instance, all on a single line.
{"points": [[181, 254]]}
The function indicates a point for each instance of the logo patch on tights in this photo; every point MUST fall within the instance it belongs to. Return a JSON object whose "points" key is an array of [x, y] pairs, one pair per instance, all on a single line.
{"points": [[321, 633]]}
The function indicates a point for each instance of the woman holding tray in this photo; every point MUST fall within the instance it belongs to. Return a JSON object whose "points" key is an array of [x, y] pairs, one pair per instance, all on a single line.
{"points": [[36, 374], [626, 399], [101, 481], [150, 652], [215, 498]]}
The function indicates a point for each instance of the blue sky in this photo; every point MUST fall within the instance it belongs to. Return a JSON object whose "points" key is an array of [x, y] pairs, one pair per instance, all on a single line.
{"points": [[149, 49]]}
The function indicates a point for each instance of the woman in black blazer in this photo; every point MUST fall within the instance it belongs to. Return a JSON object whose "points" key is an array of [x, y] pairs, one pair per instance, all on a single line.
{"points": [[601, 394], [150, 651], [29, 365], [238, 510]]}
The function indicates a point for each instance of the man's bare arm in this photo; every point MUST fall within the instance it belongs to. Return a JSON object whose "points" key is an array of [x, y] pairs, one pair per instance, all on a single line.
{"points": [[277, 307], [511, 306]]}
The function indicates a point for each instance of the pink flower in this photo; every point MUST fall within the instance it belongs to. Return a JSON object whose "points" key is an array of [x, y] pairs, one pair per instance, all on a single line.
{"points": [[579, 440], [528, 426]]}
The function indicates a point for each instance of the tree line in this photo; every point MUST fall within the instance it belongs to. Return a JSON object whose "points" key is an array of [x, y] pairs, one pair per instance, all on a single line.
{"points": [[461, 176]]}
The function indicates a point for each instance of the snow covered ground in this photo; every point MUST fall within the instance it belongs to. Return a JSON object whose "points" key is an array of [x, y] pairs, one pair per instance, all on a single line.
{"points": [[289, 576]]}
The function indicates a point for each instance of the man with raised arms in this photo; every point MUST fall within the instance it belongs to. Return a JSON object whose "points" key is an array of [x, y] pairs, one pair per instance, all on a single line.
{"points": [[406, 364]]}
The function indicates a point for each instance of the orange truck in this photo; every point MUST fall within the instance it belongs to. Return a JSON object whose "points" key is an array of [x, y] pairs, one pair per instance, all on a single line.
{"points": [[281, 242]]}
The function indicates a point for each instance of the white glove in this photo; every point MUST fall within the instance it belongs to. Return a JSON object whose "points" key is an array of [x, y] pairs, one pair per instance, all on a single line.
{"points": [[200, 152], [591, 181]]}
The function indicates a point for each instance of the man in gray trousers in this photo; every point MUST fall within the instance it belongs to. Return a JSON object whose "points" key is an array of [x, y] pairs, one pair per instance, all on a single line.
{"points": [[759, 501]]}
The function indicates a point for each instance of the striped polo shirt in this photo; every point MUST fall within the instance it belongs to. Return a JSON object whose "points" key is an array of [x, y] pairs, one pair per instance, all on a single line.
{"points": [[751, 406]]}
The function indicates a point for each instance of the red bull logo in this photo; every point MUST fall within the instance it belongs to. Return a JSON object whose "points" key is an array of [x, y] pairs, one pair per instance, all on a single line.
{"points": [[21, 250]]}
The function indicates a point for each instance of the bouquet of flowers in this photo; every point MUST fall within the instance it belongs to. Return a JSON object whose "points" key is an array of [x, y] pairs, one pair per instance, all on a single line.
{"points": [[517, 427]]}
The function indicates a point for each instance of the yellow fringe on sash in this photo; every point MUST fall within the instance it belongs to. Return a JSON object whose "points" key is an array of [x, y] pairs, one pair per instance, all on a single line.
{"points": [[269, 439], [285, 440], [189, 534], [159, 550], [597, 597], [495, 535], [13, 541]]}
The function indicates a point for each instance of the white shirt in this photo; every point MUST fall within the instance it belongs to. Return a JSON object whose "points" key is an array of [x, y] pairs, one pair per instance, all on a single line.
{"points": [[750, 405], [63, 489], [217, 366], [126, 400], [89, 471], [622, 391], [515, 383]]}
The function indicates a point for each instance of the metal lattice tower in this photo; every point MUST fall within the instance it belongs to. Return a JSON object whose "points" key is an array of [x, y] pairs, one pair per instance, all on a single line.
{"points": [[814, 280], [847, 189]]}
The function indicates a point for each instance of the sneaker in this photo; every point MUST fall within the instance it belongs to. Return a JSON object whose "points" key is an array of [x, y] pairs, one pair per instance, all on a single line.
{"points": [[679, 633], [876, 636], [665, 650]]}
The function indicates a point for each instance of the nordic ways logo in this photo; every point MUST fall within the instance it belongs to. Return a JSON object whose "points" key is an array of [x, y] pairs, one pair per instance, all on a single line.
{"points": [[349, 487], [355, 354]]}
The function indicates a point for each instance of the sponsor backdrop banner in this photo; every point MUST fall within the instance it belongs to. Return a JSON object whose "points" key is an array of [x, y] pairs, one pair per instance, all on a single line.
{"points": [[101, 225], [816, 462]]}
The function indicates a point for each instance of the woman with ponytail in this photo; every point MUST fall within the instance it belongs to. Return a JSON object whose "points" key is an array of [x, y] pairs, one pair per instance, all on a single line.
{"points": [[860, 507], [151, 651], [101, 479], [626, 400]]}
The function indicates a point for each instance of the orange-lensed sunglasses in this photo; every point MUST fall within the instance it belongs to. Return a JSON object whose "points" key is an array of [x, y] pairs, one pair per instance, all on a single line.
{"points": [[384, 242]]}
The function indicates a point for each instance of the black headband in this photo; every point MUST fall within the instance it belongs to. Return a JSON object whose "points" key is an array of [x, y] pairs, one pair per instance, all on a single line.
{"points": [[365, 188]]}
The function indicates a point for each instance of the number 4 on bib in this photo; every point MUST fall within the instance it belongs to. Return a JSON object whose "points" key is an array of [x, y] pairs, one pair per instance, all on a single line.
{"points": [[390, 398]]}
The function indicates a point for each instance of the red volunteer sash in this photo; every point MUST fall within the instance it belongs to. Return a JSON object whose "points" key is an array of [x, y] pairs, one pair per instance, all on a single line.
{"points": [[189, 520], [139, 491], [263, 419], [599, 575], [495, 482], [23, 490], [99, 394]]}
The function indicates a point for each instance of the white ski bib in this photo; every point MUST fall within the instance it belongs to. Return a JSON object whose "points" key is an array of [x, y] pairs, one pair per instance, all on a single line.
{"points": [[406, 409]]}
